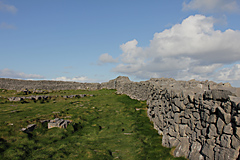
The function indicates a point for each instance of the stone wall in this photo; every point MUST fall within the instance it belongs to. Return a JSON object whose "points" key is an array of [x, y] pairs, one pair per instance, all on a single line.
{"points": [[15, 84], [200, 119], [135, 90]]}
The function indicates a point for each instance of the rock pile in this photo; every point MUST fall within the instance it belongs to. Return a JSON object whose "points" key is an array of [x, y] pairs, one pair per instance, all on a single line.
{"points": [[60, 123], [45, 97], [35, 98]]}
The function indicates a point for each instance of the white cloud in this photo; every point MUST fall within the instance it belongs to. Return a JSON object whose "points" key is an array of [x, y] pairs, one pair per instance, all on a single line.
{"points": [[75, 79], [211, 6], [229, 73], [192, 49], [4, 25], [7, 8], [8, 73], [106, 58], [131, 53]]}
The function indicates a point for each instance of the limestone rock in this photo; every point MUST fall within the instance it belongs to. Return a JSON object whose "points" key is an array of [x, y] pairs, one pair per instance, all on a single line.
{"points": [[196, 115], [221, 95], [184, 120], [179, 103], [235, 142], [237, 132], [228, 129], [227, 106], [195, 151], [29, 128], [225, 153], [176, 118], [60, 123], [220, 125], [237, 119], [225, 140], [225, 116], [182, 148], [182, 130], [212, 118], [212, 131], [175, 109], [207, 151], [173, 142]]}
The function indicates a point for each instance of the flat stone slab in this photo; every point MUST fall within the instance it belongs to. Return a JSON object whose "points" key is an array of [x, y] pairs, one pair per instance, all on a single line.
{"points": [[57, 122]]}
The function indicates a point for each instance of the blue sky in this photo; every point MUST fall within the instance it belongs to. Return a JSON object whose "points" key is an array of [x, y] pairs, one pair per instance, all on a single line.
{"points": [[98, 40]]}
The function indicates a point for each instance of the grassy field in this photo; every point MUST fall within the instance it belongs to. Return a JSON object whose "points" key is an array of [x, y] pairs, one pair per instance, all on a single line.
{"points": [[105, 126]]}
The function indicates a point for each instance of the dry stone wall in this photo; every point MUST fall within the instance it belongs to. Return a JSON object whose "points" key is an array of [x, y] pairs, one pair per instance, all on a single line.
{"points": [[15, 84], [200, 119], [135, 90], [202, 123]]}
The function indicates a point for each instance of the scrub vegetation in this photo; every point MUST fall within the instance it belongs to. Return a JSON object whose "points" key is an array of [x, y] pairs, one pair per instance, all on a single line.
{"points": [[104, 126]]}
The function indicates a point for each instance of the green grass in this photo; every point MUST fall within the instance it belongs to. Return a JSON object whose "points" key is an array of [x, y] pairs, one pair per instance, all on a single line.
{"points": [[106, 126]]}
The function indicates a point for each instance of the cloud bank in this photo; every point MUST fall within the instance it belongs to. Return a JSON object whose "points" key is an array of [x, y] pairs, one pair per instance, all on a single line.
{"points": [[210, 6], [8, 73], [190, 50]]}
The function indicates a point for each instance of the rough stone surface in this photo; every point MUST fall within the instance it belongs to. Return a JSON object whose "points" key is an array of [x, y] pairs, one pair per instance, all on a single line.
{"points": [[195, 151], [237, 119], [225, 140], [207, 151], [212, 131], [29, 128], [60, 123], [225, 153], [220, 125], [235, 142], [228, 129], [182, 148]]}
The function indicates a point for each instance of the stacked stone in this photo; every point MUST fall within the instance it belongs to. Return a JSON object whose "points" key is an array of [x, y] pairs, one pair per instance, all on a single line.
{"points": [[15, 84], [200, 123], [135, 90]]}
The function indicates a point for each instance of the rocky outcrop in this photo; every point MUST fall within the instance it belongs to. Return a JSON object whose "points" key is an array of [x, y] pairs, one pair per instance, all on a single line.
{"points": [[200, 119]]}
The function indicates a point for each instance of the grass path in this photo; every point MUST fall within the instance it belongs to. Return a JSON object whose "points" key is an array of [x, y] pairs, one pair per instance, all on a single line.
{"points": [[105, 126]]}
